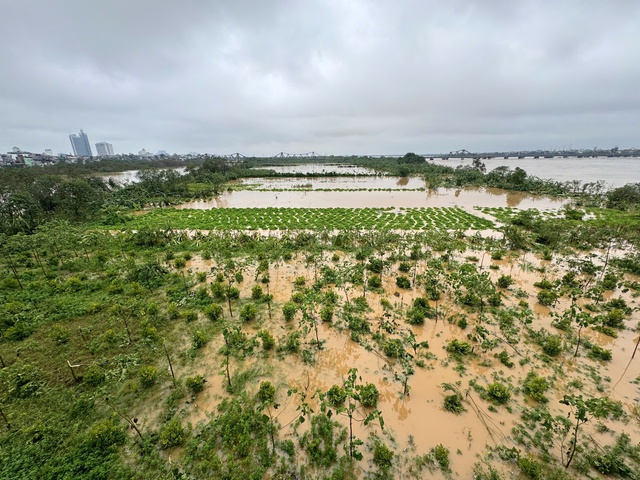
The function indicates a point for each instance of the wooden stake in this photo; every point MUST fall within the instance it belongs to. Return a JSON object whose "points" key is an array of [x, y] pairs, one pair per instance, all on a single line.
{"points": [[170, 366], [75, 379]]}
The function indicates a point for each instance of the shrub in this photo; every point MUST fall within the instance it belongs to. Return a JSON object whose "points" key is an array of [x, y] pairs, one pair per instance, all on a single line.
{"points": [[172, 434], [453, 403], [552, 345], [198, 339], [106, 433], [213, 312], [299, 282], [535, 387], [195, 384], [289, 310], [148, 376], [94, 376], [404, 267], [375, 281], [382, 456], [459, 347], [547, 297], [267, 339], [368, 395], [599, 353], [218, 290], [336, 396], [441, 455], [326, 314], [266, 392], [530, 467], [403, 282], [505, 281], [393, 348], [248, 312], [375, 265], [498, 392], [503, 356], [256, 292], [190, 316]]}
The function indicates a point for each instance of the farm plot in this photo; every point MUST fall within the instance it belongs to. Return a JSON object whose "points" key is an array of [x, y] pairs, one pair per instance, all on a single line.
{"points": [[447, 218]]}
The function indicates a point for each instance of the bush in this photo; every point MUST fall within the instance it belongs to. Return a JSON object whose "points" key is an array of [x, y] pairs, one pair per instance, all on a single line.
{"points": [[375, 281], [547, 297], [266, 392], [198, 339], [382, 456], [172, 434], [368, 395], [190, 316], [195, 384], [256, 292], [552, 345], [530, 467], [336, 396], [498, 392], [458, 347], [535, 387], [599, 353], [326, 314], [289, 310], [148, 376], [393, 348], [106, 433], [404, 267], [267, 339], [441, 455], [505, 281], [248, 312], [403, 282], [213, 312], [94, 376], [453, 403]]}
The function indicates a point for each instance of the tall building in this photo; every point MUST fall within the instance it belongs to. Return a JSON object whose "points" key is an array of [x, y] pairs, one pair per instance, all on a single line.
{"points": [[104, 149], [80, 144]]}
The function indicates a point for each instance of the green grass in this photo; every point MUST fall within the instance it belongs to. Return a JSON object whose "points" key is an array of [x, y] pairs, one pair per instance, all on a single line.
{"points": [[447, 218]]}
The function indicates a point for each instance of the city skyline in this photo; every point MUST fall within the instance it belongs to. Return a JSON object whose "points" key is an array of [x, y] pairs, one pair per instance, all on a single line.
{"points": [[80, 144], [104, 149]]}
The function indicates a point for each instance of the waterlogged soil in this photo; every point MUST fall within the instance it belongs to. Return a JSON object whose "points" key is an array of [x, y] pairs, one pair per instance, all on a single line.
{"points": [[466, 198], [417, 422]]}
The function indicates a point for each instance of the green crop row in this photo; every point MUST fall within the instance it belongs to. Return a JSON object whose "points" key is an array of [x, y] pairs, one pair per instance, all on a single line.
{"points": [[446, 218]]}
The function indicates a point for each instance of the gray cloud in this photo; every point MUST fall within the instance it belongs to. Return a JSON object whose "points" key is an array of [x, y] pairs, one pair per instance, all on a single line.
{"points": [[265, 76]]}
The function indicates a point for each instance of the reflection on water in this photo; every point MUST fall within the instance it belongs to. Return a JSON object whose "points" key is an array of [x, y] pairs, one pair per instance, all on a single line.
{"points": [[131, 176], [337, 182], [442, 197]]}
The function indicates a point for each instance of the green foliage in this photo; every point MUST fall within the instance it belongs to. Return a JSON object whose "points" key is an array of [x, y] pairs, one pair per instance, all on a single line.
{"points": [[403, 282], [530, 467], [326, 313], [198, 339], [148, 376], [498, 392], [374, 282], [535, 387], [599, 353], [336, 396], [172, 434], [320, 442], [368, 395], [22, 380], [195, 384], [248, 312], [106, 433], [257, 293], [94, 376], [441, 455], [289, 310], [393, 348], [552, 345], [268, 342], [266, 393], [458, 348], [214, 312], [453, 403], [382, 456], [505, 281]]}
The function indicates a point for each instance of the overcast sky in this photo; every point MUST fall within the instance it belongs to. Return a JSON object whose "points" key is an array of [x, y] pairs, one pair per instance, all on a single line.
{"points": [[331, 76]]}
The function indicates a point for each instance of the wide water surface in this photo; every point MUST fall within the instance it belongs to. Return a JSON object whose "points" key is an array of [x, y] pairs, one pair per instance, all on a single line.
{"points": [[615, 172], [442, 197]]}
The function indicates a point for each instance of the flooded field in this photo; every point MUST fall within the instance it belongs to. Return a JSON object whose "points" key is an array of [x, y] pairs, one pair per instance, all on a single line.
{"points": [[415, 421], [442, 197]]}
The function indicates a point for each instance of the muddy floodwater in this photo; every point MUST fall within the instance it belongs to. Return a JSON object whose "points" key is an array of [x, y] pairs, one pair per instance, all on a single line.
{"points": [[416, 422], [615, 172], [442, 197]]}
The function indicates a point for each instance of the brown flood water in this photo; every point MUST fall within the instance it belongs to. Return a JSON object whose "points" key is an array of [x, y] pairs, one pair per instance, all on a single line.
{"points": [[418, 421], [442, 197]]}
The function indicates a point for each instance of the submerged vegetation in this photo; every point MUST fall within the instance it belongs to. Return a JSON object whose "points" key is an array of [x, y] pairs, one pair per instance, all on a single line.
{"points": [[181, 344]]}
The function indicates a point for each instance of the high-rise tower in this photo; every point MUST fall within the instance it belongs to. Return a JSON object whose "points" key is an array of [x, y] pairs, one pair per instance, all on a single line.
{"points": [[80, 144], [104, 149]]}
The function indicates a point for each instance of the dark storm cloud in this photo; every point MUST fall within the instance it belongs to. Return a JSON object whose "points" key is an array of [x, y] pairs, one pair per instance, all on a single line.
{"points": [[333, 76]]}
